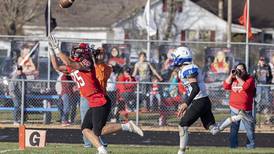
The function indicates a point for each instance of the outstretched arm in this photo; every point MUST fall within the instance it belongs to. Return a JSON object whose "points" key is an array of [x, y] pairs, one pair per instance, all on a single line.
{"points": [[65, 59], [54, 63]]}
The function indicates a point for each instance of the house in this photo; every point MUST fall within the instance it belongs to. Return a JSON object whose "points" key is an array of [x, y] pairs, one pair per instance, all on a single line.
{"points": [[191, 22], [261, 14]]}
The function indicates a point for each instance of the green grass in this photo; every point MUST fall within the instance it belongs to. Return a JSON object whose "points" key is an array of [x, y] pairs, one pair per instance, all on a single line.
{"points": [[128, 149]]}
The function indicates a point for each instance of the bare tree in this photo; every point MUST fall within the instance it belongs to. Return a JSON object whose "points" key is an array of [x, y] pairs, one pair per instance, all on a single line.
{"points": [[16, 13], [170, 18]]}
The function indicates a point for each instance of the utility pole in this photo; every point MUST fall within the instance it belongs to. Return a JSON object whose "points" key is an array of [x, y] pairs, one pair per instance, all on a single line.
{"points": [[229, 21], [221, 8], [246, 36], [49, 15]]}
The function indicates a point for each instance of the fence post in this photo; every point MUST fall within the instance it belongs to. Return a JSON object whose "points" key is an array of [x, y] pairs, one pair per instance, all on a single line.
{"points": [[21, 135], [138, 103], [254, 110], [23, 102]]}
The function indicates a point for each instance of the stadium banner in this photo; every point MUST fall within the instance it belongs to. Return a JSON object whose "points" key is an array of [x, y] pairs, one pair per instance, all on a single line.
{"points": [[117, 55], [218, 63], [24, 53], [35, 138]]}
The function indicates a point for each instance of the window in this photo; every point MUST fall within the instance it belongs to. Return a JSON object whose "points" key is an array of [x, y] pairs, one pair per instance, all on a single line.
{"points": [[202, 35], [212, 36], [192, 35], [183, 35]]}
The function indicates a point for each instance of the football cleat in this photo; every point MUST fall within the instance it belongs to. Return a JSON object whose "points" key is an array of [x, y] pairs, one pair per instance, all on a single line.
{"points": [[214, 130], [181, 152], [135, 129]]}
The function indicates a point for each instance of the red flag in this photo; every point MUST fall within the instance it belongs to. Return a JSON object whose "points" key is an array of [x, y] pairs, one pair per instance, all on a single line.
{"points": [[242, 21]]}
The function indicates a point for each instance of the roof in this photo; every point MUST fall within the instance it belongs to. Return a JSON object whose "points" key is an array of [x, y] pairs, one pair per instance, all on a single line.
{"points": [[104, 13], [261, 12], [91, 13]]}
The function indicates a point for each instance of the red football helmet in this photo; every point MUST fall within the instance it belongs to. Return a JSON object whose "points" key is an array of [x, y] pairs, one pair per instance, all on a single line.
{"points": [[80, 51]]}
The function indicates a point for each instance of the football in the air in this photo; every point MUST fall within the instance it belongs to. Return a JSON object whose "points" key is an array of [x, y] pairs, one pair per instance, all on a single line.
{"points": [[65, 3]]}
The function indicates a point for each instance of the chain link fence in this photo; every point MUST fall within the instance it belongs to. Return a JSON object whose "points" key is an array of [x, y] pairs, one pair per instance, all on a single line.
{"points": [[128, 51], [149, 104]]}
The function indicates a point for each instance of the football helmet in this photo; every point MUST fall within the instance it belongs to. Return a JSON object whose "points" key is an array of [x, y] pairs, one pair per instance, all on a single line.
{"points": [[80, 51], [182, 55]]}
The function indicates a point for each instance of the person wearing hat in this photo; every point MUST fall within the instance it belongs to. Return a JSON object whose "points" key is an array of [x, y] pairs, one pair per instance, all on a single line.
{"points": [[263, 77]]}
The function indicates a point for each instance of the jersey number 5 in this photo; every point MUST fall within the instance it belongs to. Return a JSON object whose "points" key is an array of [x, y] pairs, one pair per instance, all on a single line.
{"points": [[78, 79]]}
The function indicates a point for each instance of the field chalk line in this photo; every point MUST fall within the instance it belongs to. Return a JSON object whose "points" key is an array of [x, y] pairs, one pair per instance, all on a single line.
{"points": [[9, 150]]}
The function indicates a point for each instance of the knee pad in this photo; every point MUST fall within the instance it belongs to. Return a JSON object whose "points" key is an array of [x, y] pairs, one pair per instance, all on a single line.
{"points": [[183, 131]]}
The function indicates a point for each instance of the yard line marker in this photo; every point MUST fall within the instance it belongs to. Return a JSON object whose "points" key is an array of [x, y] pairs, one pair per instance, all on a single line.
{"points": [[5, 151]]}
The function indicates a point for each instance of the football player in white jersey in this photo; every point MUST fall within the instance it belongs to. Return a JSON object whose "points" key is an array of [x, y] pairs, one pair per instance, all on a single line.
{"points": [[197, 104]]}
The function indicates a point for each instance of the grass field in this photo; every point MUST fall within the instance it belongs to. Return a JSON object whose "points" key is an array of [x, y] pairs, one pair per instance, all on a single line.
{"points": [[11, 148]]}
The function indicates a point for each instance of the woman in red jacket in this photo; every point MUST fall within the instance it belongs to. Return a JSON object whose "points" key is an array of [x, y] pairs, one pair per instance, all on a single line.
{"points": [[242, 88]]}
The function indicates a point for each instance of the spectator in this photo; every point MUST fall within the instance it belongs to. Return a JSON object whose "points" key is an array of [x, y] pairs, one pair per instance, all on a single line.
{"points": [[173, 87], [15, 90], [166, 69], [171, 98], [242, 87], [263, 76], [155, 93], [75, 101], [144, 68], [58, 89], [26, 62], [67, 94], [126, 92], [111, 92], [271, 64]]}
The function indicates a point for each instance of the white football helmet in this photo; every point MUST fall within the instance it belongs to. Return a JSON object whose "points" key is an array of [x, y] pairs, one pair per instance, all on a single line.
{"points": [[182, 55]]}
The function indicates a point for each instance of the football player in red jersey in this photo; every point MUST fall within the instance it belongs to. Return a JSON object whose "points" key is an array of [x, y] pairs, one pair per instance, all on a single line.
{"points": [[81, 67]]}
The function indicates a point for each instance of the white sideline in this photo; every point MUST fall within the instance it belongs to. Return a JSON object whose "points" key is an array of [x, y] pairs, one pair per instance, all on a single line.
{"points": [[5, 151]]}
